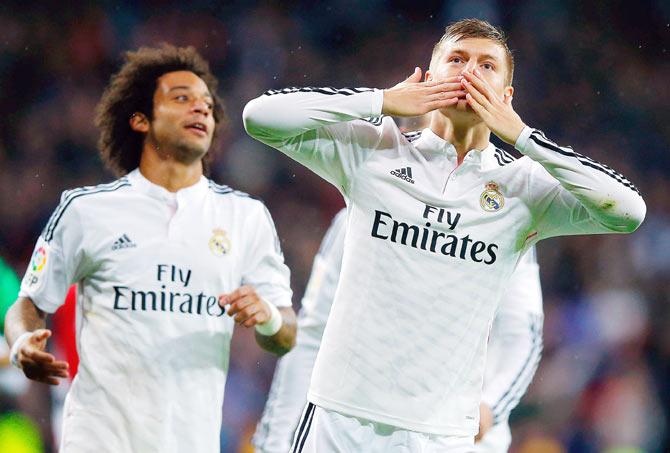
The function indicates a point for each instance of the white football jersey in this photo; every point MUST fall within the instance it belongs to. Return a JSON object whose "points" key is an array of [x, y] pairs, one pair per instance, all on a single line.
{"points": [[152, 339], [429, 249], [514, 348]]}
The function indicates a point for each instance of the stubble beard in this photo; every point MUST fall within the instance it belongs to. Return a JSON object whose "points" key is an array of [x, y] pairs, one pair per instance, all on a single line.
{"points": [[179, 149]]}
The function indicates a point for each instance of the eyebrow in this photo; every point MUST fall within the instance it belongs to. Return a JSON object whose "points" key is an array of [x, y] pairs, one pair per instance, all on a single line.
{"points": [[185, 87], [485, 56]]}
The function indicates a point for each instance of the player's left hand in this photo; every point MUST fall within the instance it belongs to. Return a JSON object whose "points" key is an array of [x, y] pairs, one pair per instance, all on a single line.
{"points": [[495, 111], [246, 306]]}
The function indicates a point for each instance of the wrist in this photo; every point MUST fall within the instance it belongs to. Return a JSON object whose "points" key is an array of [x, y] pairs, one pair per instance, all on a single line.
{"points": [[16, 347], [522, 139], [272, 325]]}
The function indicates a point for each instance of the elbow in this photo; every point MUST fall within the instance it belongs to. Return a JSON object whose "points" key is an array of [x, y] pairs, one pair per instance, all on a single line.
{"points": [[252, 118], [285, 347], [630, 219], [634, 217]]}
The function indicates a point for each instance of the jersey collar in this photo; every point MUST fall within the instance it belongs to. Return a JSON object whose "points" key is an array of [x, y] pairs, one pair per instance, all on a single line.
{"points": [[430, 141], [161, 193]]}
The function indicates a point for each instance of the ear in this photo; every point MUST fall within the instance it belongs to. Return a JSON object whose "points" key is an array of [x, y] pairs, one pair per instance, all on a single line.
{"points": [[508, 92], [428, 76], [139, 122]]}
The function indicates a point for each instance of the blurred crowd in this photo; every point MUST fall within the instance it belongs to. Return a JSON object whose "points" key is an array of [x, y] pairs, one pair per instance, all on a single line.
{"points": [[593, 75]]}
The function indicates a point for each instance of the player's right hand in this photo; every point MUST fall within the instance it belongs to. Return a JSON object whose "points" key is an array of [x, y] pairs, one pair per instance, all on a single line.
{"points": [[485, 421], [38, 365], [412, 97]]}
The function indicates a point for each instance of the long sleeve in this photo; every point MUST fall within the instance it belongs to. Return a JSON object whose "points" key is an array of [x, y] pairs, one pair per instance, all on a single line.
{"points": [[264, 267], [317, 127], [573, 194], [515, 343]]}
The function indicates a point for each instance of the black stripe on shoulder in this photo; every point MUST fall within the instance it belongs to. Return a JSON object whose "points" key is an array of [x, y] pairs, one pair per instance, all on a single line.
{"points": [[219, 188], [222, 189], [321, 90], [411, 136], [539, 138], [70, 195], [503, 157]]}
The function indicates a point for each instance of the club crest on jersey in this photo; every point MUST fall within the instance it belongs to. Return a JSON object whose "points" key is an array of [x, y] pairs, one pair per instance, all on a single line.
{"points": [[491, 199], [219, 243]]}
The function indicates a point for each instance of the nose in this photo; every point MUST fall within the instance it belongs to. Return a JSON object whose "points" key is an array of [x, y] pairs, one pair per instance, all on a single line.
{"points": [[200, 106], [469, 66]]}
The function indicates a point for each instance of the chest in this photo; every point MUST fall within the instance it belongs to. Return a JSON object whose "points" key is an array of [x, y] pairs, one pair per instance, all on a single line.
{"points": [[194, 246], [432, 192]]}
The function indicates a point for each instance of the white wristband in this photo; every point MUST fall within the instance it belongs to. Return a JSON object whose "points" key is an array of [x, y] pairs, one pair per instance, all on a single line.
{"points": [[14, 352], [272, 325]]}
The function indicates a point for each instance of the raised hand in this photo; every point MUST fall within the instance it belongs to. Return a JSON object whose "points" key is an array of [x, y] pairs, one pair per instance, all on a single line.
{"points": [[39, 365], [495, 111], [246, 306], [412, 97]]}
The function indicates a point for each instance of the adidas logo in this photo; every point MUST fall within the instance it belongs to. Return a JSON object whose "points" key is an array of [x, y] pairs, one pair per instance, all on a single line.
{"points": [[404, 173], [123, 242]]}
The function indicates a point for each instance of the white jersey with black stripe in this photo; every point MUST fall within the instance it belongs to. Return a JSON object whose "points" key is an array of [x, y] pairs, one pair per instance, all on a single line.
{"points": [[152, 339], [427, 256], [515, 345]]}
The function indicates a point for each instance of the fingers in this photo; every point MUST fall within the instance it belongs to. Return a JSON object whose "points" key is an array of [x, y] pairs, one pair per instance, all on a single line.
{"points": [[230, 298], [250, 313], [480, 84], [442, 103], [45, 372], [476, 94], [415, 77], [436, 87], [41, 334], [442, 95], [246, 308], [476, 106], [37, 355], [246, 314], [239, 305]]}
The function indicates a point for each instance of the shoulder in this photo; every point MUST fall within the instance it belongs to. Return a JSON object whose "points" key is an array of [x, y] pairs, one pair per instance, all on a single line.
{"points": [[73, 200], [225, 194], [502, 158]]}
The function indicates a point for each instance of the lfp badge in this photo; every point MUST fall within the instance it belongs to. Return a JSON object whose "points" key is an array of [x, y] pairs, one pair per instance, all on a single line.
{"points": [[39, 260], [33, 278], [219, 243], [491, 199]]}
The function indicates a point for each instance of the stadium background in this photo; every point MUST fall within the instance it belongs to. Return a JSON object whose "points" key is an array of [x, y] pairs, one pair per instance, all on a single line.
{"points": [[594, 75]]}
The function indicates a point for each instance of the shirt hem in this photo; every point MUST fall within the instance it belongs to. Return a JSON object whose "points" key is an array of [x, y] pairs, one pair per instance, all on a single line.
{"points": [[345, 409]]}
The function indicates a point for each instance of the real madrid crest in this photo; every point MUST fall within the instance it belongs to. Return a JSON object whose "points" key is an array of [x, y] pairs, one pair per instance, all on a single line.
{"points": [[219, 243], [491, 199]]}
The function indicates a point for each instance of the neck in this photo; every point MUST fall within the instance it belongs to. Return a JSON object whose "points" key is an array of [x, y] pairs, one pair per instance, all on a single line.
{"points": [[464, 135], [163, 170]]}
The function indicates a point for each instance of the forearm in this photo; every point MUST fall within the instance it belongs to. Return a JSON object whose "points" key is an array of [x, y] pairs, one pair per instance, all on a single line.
{"points": [[23, 316], [281, 114], [608, 197], [283, 341]]}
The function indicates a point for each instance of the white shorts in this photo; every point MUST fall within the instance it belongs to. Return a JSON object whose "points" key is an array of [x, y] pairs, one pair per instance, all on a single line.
{"points": [[324, 431], [496, 440]]}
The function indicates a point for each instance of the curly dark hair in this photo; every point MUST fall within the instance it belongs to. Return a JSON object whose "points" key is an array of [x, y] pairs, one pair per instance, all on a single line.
{"points": [[132, 89]]}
